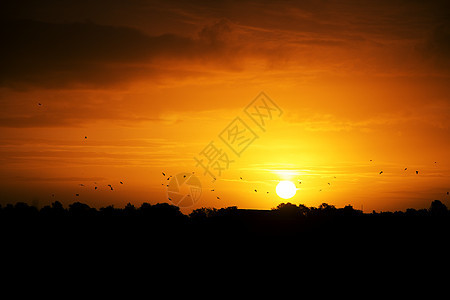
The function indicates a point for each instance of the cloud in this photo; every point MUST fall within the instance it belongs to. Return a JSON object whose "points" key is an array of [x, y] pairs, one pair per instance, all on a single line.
{"points": [[217, 33], [88, 54], [324, 36], [435, 117], [57, 179], [437, 46]]}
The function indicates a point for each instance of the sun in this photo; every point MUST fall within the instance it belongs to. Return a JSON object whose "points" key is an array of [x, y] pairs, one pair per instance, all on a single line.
{"points": [[286, 189]]}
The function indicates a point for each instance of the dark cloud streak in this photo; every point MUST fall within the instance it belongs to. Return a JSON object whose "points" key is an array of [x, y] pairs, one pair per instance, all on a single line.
{"points": [[50, 53], [58, 55]]}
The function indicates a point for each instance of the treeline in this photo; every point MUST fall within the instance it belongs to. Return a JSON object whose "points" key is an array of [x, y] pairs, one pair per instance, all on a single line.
{"points": [[162, 211], [78, 209], [163, 219], [162, 228]]}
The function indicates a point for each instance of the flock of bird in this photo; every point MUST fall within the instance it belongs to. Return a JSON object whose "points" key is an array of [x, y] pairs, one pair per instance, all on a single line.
{"points": [[212, 190], [299, 181], [417, 171], [95, 187], [214, 179]]}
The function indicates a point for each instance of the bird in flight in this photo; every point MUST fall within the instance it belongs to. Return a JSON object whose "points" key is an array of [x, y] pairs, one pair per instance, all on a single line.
{"points": [[163, 174], [406, 169], [81, 184], [256, 191], [212, 190], [121, 182], [77, 195], [110, 186], [417, 172], [381, 172], [95, 188], [329, 183], [85, 137], [39, 104], [218, 197]]}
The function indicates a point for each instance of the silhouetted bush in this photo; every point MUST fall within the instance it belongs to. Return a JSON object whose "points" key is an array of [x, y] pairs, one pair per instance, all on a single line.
{"points": [[145, 223], [438, 209]]}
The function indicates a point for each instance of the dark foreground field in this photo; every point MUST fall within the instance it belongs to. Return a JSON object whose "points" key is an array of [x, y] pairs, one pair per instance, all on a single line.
{"points": [[159, 241], [162, 225]]}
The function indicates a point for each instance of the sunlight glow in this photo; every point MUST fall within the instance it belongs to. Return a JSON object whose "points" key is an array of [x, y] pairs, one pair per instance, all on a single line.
{"points": [[286, 189]]}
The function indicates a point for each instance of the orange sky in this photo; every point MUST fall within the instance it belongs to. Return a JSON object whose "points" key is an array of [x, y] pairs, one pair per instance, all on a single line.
{"points": [[151, 83]]}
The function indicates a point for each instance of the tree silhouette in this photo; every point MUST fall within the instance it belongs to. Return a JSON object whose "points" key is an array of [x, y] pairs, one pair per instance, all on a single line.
{"points": [[108, 211], [129, 210], [289, 210], [202, 213], [162, 223], [438, 208], [78, 209]]}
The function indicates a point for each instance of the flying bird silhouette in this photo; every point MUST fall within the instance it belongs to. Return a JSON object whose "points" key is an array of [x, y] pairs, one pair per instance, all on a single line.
{"points": [[77, 195], [95, 188], [39, 104], [256, 191], [417, 172], [218, 198], [81, 184], [110, 186], [163, 174], [381, 172], [406, 169], [212, 190], [121, 182]]}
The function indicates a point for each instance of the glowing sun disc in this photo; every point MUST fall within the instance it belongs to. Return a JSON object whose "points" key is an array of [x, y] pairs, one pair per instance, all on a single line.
{"points": [[286, 189]]}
